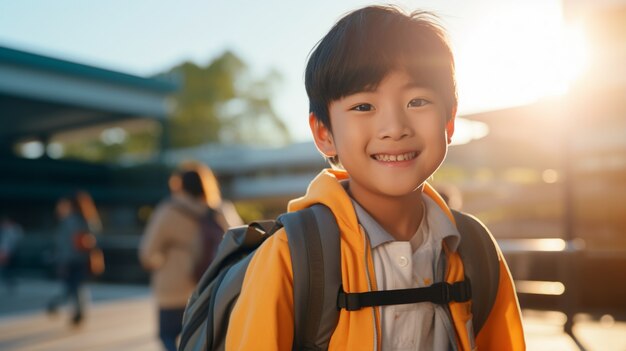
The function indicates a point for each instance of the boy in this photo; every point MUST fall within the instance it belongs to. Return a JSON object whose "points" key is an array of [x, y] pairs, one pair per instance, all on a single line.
{"points": [[382, 104]]}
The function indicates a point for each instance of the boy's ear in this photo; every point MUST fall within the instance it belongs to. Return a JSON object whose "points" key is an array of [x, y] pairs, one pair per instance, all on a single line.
{"points": [[450, 129], [322, 136], [450, 126]]}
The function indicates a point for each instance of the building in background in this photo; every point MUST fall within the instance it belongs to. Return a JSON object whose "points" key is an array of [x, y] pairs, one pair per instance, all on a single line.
{"points": [[557, 169], [46, 106]]}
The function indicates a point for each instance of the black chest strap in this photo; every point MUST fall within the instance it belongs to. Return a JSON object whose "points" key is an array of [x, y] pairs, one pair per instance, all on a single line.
{"points": [[439, 293]]}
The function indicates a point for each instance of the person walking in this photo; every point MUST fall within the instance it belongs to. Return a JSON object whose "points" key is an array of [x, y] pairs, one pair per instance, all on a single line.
{"points": [[77, 216], [171, 245], [10, 235]]}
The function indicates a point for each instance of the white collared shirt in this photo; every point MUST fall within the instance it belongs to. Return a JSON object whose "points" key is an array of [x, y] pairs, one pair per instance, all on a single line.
{"points": [[412, 264]]}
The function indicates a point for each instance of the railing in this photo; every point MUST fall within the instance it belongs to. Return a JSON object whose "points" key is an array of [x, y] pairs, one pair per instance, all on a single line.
{"points": [[562, 283]]}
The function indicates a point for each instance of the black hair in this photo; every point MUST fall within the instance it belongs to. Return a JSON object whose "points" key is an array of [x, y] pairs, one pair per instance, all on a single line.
{"points": [[367, 44], [192, 183]]}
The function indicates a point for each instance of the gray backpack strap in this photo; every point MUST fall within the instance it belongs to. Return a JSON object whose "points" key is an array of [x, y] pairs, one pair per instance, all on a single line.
{"points": [[314, 244], [482, 266], [205, 321]]}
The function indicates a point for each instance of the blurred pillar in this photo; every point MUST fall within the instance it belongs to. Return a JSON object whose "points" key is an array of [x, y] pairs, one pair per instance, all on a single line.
{"points": [[165, 142], [570, 260]]}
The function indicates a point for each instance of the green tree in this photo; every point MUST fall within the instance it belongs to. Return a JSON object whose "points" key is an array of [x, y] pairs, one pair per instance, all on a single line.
{"points": [[132, 140], [222, 103], [217, 103]]}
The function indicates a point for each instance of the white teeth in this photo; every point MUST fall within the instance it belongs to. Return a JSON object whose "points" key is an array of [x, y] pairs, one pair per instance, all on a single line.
{"points": [[395, 158]]}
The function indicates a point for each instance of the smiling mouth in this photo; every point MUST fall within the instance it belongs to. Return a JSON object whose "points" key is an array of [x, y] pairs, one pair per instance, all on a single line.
{"points": [[395, 158]]}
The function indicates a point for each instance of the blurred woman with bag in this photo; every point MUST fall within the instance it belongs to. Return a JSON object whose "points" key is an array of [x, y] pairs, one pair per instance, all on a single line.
{"points": [[172, 247], [76, 251]]}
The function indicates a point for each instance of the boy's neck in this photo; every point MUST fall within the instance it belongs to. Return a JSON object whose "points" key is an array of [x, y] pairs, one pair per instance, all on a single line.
{"points": [[399, 216]]}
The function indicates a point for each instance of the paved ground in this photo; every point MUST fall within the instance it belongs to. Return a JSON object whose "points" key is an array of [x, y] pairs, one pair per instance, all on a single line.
{"points": [[122, 317]]}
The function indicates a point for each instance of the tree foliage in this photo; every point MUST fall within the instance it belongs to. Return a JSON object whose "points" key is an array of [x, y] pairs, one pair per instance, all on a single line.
{"points": [[217, 103], [134, 145], [222, 103]]}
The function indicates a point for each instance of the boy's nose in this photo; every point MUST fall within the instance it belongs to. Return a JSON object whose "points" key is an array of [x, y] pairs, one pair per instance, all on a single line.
{"points": [[394, 125]]}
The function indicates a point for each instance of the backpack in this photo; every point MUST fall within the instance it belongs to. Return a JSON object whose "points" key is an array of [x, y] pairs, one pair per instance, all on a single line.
{"points": [[318, 295], [210, 237]]}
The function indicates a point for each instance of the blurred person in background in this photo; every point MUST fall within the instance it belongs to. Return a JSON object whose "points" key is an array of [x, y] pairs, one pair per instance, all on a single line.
{"points": [[10, 235], [77, 216], [171, 246]]}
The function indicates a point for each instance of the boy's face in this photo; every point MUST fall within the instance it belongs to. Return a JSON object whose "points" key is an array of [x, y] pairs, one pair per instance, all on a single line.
{"points": [[389, 140]]}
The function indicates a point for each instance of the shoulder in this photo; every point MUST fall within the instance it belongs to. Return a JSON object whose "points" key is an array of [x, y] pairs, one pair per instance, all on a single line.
{"points": [[163, 206], [171, 209], [276, 243], [272, 256], [163, 210], [167, 218]]}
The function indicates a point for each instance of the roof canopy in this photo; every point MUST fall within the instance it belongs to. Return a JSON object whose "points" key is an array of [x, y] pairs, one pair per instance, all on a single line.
{"points": [[41, 95]]}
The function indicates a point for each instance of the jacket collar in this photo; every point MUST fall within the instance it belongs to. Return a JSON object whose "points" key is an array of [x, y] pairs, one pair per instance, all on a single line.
{"points": [[327, 189]]}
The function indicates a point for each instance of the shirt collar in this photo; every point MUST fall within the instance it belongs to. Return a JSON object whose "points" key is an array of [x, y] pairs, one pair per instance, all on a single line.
{"points": [[440, 226], [375, 232]]}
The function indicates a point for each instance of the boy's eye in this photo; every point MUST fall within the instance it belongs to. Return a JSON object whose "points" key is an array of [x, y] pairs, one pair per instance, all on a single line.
{"points": [[363, 107], [417, 103]]}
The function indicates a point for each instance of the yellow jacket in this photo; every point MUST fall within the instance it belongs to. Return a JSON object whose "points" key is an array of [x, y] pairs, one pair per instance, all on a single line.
{"points": [[262, 318]]}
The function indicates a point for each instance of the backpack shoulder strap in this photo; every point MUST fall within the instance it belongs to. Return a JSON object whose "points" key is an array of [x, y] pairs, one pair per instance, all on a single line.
{"points": [[314, 244], [481, 264], [206, 316]]}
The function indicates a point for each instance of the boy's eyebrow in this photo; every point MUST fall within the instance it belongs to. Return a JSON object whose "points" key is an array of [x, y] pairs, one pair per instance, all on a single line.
{"points": [[408, 86], [415, 85]]}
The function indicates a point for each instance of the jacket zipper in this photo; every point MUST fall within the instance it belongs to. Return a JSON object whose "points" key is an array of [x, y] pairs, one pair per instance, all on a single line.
{"points": [[369, 283]]}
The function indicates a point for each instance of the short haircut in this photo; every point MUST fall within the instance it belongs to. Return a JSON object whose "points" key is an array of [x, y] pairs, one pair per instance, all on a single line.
{"points": [[367, 44]]}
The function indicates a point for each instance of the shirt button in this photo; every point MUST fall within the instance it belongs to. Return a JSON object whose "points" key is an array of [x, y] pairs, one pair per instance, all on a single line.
{"points": [[402, 261]]}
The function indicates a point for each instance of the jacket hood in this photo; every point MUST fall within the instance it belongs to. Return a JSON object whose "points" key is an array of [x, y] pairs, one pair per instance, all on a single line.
{"points": [[327, 190]]}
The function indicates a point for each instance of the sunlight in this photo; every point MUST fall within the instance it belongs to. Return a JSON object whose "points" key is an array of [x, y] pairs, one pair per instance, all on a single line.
{"points": [[575, 53], [517, 57], [466, 131], [539, 287]]}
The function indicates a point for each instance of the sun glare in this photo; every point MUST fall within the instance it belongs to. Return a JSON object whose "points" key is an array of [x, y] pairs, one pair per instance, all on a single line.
{"points": [[517, 55], [575, 53], [466, 131]]}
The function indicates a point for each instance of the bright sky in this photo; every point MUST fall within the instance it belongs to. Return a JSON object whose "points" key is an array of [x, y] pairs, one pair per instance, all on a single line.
{"points": [[508, 52]]}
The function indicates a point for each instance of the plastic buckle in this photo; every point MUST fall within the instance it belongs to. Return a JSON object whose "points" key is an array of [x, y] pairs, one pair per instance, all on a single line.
{"points": [[352, 302], [348, 301]]}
